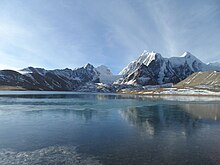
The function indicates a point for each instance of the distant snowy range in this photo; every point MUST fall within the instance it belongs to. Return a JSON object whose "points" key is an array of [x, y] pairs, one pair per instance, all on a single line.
{"points": [[149, 72]]}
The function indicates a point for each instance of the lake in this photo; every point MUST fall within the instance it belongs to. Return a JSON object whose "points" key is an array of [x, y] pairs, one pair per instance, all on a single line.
{"points": [[89, 128]]}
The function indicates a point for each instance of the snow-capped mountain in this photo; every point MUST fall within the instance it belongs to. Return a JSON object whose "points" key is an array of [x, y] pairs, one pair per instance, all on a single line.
{"points": [[148, 69], [40, 71], [152, 69], [106, 76], [104, 70], [83, 78], [36, 79], [146, 58], [214, 65]]}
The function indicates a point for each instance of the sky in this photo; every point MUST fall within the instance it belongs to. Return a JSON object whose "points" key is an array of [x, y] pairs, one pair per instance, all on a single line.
{"points": [[71, 33]]}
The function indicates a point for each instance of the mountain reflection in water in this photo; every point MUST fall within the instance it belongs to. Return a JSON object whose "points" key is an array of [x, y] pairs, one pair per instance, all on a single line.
{"points": [[185, 117]]}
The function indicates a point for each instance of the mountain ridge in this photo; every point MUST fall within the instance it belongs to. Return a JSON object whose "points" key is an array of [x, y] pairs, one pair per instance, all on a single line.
{"points": [[150, 68]]}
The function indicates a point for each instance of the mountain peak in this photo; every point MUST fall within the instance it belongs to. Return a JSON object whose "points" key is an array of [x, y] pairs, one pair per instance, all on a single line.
{"points": [[145, 58], [104, 70], [216, 64], [147, 53], [148, 57], [187, 55], [31, 69], [190, 58], [89, 66]]}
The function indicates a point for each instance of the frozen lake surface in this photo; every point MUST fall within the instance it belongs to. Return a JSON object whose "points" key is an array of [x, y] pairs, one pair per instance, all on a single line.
{"points": [[85, 128]]}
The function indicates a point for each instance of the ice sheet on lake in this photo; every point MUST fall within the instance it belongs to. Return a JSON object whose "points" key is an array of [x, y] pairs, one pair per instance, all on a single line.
{"points": [[50, 155]]}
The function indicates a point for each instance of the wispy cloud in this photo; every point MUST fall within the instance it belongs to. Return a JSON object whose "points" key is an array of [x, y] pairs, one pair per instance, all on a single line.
{"points": [[60, 33], [186, 25]]}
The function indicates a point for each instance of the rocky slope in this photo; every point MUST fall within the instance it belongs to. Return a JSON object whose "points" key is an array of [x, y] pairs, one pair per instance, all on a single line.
{"points": [[208, 80]]}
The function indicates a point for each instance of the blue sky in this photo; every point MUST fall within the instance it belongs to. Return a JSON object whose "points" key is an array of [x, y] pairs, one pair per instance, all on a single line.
{"points": [[70, 33]]}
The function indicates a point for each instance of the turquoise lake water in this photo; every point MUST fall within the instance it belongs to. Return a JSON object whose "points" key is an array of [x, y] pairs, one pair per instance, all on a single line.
{"points": [[85, 128]]}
